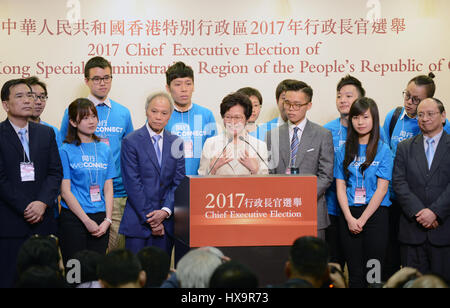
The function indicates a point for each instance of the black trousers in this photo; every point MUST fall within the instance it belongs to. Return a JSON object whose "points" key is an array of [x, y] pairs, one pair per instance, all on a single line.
{"points": [[74, 236], [370, 244], [428, 259], [333, 239]]}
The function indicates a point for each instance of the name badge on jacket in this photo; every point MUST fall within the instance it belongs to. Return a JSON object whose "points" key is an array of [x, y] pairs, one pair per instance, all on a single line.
{"points": [[27, 172]]}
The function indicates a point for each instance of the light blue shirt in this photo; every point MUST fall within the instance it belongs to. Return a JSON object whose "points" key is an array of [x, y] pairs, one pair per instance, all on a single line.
{"points": [[86, 165], [194, 127], [114, 123], [381, 167]]}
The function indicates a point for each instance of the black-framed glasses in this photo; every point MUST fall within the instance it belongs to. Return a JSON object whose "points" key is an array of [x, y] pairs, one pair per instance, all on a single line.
{"points": [[295, 107], [414, 99], [98, 80], [42, 98]]}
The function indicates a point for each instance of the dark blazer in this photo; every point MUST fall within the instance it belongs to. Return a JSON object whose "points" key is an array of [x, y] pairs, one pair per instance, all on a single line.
{"points": [[148, 186], [315, 156], [417, 188], [15, 195]]}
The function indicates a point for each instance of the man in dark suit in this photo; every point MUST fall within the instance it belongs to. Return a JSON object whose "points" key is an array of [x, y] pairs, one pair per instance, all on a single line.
{"points": [[152, 163], [421, 181], [30, 176], [301, 146]]}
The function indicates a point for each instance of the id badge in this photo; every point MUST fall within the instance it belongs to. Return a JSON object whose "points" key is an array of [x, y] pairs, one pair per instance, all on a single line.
{"points": [[360, 196], [188, 149], [105, 140], [27, 172], [94, 191], [288, 171]]}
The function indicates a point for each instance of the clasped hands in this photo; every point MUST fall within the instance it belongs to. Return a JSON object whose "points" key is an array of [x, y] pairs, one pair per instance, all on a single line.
{"points": [[155, 220], [427, 219]]}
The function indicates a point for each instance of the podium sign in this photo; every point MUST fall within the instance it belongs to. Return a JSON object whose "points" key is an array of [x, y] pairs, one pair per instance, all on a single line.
{"points": [[252, 211]]}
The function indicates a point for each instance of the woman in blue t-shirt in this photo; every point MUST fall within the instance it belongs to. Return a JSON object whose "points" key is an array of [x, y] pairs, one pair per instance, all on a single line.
{"points": [[363, 170], [87, 186]]}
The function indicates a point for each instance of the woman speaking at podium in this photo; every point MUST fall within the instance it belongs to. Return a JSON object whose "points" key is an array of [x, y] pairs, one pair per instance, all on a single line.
{"points": [[234, 152]]}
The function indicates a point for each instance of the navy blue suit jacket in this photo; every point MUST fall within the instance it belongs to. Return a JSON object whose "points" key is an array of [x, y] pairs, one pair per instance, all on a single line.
{"points": [[148, 186], [15, 195]]}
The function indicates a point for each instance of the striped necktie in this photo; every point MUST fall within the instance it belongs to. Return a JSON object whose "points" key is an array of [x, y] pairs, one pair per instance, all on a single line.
{"points": [[294, 145]]}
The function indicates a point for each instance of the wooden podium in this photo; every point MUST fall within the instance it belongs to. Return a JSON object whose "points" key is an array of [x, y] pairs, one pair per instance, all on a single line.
{"points": [[253, 219]]}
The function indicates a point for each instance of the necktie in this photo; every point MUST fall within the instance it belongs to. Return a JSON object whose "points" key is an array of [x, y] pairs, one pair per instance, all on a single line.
{"points": [[294, 145], [23, 140], [430, 152], [156, 146]]}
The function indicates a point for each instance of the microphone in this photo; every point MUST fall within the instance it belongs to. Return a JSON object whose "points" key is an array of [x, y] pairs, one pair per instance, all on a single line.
{"points": [[243, 139], [230, 139]]}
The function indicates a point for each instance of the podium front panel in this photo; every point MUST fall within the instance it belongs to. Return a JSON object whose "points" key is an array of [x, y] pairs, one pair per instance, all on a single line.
{"points": [[251, 211]]}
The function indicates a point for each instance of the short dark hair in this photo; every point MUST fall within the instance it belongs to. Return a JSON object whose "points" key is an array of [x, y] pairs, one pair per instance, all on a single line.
{"points": [[6, 89], [119, 267], [297, 85], [251, 92], [234, 99], [156, 263], [41, 277], [38, 251], [427, 81], [351, 81], [179, 70], [96, 62], [31, 81], [77, 110], [309, 256], [89, 261], [282, 87], [233, 275]]}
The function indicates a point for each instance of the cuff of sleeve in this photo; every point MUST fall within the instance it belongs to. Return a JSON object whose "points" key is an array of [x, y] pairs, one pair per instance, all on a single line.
{"points": [[166, 209]]}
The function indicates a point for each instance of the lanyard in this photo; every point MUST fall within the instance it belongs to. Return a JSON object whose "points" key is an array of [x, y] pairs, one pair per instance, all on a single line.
{"points": [[356, 169], [89, 169]]}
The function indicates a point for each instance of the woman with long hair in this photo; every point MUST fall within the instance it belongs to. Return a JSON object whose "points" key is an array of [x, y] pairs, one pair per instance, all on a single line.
{"points": [[363, 170], [87, 187]]}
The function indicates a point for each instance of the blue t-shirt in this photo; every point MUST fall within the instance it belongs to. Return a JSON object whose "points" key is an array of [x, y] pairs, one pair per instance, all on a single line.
{"points": [[381, 167], [86, 165], [194, 127], [114, 124], [339, 133], [404, 129]]}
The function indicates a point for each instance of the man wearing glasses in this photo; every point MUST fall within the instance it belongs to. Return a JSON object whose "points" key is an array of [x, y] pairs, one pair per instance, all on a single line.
{"points": [[303, 147], [421, 182], [114, 123], [40, 101], [401, 124], [30, 176]]}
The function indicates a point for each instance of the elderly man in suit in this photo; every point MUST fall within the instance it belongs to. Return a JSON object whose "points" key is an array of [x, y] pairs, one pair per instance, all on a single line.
{"points": [[301, 146], [421, 181], [30, 176], [153, 166]]}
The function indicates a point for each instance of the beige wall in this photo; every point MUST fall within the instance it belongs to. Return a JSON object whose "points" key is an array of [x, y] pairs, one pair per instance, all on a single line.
{"points": [[425, 41]]}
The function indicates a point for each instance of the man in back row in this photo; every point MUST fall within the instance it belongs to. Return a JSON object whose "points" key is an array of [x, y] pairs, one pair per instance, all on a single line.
{"points": [[114, 123], [191, 122]]}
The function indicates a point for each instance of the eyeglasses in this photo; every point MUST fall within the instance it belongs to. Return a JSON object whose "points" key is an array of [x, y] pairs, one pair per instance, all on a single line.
{"points": [[429, 114], [42, 98], [235, 118], [295, 107], [98, 80], [414, 99]]}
